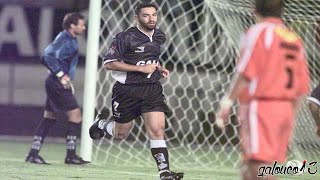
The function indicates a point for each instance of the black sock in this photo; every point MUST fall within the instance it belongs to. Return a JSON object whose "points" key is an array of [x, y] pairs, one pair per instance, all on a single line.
{"points": [[161, 156], [41, 132], [72, 138]]}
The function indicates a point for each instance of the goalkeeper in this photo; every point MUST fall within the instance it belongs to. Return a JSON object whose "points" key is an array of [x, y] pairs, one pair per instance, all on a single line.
{"points": [[61, 58], [133, 58], [271, 78]]}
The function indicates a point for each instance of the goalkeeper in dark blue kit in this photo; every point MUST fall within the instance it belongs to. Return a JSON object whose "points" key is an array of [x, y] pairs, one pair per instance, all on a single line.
{"points": [[133, 58], [61, 58]]}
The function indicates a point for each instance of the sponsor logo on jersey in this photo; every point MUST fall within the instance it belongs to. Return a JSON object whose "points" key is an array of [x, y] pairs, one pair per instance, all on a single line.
{"points": [[140, 49], [142, 63], [112, 50]]}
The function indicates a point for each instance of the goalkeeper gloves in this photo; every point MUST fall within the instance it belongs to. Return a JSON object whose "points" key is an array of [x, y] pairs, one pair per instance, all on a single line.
{"points": [[65, 81]]}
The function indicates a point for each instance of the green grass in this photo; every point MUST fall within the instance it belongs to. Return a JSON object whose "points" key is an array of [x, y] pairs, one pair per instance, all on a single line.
{"points": [[12, 167]]}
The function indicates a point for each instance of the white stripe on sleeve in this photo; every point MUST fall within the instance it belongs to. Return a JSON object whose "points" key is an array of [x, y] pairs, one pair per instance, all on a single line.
{"points": [[106, 61], [248, 45]]}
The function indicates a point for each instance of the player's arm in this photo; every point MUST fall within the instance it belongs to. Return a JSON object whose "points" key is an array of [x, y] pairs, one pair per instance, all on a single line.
{"points": [[237, 86], [239, 83], [114, 60], [164, 72], [121, 66], [53, 54], [246, 70], [52, 57]]}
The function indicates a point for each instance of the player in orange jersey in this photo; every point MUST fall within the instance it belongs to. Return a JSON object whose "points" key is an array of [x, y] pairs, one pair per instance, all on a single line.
{"points": [[271, 78]]}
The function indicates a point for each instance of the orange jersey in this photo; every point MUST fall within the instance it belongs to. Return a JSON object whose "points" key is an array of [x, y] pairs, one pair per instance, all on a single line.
{"points": [[273, 59]]}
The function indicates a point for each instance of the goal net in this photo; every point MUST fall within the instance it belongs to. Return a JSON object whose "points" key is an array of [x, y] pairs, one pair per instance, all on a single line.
{"points": [[201, 50]]}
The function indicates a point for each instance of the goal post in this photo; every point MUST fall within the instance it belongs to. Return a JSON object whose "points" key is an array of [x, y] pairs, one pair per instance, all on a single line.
{"points": [[90, 78], [201, 51]]}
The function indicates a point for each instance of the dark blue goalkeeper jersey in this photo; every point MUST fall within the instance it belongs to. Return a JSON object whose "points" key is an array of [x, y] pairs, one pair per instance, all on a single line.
{"points": [[134, 47], [62, 54]]}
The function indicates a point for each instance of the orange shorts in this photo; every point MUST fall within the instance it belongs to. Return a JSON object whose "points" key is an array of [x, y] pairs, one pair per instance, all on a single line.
{"points": [[265, 129]]}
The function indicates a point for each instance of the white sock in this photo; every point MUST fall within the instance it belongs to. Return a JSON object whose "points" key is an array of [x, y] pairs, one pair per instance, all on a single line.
{"points": [[158, 144], [109, 128]]}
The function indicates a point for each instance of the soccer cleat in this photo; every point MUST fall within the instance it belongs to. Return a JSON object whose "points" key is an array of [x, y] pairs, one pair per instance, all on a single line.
{"points": [[75, 160], [96, 130], [36, 159], [171, 175]]}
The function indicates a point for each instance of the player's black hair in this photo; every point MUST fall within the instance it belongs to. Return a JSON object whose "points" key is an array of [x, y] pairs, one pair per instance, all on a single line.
{"points": [[273, 8], [139, 6], [71, 18]]}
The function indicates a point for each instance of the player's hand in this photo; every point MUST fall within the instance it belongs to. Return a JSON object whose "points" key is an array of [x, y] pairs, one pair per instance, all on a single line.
{"points": [[148, 68], [224, 112], [66, 83], [164, 72]]}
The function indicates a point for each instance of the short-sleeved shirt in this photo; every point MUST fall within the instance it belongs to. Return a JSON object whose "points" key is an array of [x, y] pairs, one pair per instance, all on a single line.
{"points": [[134, 47], [273, 59]]}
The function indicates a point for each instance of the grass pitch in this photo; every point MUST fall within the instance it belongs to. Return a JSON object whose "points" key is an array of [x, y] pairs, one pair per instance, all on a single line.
{"points": [[13, 167]]}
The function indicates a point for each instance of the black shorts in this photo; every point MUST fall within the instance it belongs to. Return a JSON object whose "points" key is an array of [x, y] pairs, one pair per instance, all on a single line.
{"points": [[130, 100], [315, 95], [58, 98]]}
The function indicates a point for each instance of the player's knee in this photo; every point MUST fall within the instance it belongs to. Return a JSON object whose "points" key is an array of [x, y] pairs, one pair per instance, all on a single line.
{"points": [[78, 120], [121, 135], [157, 133], [75, 119], [314, 108], [75, 116]]}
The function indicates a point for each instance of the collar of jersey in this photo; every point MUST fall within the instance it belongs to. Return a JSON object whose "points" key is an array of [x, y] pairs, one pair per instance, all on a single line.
{"points": [[68, 34], [273, 20], [150, 37]]}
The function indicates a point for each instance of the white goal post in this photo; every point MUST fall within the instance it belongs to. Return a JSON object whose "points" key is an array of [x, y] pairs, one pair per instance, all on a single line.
{"points": [[201, 50], [90, 77]]}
